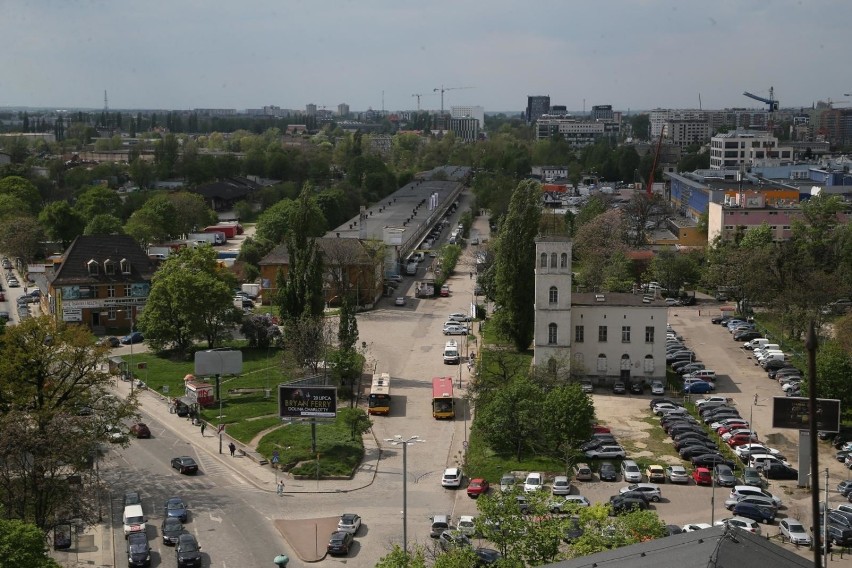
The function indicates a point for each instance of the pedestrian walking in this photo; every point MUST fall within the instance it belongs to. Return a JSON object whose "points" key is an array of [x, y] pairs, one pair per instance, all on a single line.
{"points": [[755, 399], [233, 448], [203, 427], [280, 490], [471, 275]]}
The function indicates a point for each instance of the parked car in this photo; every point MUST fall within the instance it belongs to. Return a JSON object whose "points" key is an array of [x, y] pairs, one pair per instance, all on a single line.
{"points": [[440, 523], [744, 490], [568, 503], [702, 476], [170, 529], [477, 486], [533, 482], [741, 523], [138, 550], [700, 387], [630, 471], [400, 301], [467, 525], [608, 472], [723, 475], [586, 386], [175, 507], [754, 512], [752, 477], [655, 474], [133, 338], [651, 491], [794, 531], [780, 471], [619, 388], [507, 482], [187, 551], [626, 504], [582, 472], [657, 387], [452, 477], [561, 485], [709, 460], [109, 341], [339, 543], [677, 474], [606, 452]]}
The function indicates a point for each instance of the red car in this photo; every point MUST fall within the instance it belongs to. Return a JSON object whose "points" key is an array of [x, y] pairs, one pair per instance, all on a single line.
{"points": [[140, 430], [598, 429], [735, 426], [477, 487], [740, 439], [702, 476]]}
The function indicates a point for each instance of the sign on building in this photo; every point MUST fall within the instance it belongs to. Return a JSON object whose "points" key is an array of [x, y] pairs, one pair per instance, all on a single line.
{"points": [[295, 401]]}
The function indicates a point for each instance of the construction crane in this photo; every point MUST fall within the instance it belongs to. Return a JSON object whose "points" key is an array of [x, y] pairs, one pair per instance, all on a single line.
{"points": [[771, 102], [444, 89], [418, 95]]}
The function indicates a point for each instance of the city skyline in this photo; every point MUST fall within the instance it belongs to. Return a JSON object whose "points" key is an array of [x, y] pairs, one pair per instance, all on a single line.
{"points": [[632, 55]]}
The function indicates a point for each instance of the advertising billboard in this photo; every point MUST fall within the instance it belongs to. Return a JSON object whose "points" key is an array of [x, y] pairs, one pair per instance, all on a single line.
{"points": [[792, 412], [298, 401]]}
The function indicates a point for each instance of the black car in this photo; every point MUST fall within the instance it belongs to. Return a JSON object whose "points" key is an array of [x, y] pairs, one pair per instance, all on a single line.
{"points": [[608, 472], [773, 364], [721, 320], [171, 528], [691, 439], [487, 556], [185, 464], [637, 388], [710, 460], [754, 512], [676, 429], [138, 551], [672, 530], [780, 471], [110, 341], [340, 542], [845, 487], [627, 504], [747, 335], [630, 495], [187, 551], [175, 507], [619, 388], [689, 452]]}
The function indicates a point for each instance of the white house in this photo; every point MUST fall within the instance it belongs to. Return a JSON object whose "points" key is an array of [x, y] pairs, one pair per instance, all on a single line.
{"points": [[605, 336]]}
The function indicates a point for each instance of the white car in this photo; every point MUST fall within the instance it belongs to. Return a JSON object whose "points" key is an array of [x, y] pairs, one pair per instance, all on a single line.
{"points": [[650, 490], [710, 401], [452, 477], [743, 490], [747, 449], [534, 482], [677, 474], [400, 301], [507, 482], [467, 525], [604, 452], [666, 407], [455, 329], [658, 387], [695, 527], [459, 317], [794, 531], [349, 522], [741, 523], [561, 485], [567, 502]]}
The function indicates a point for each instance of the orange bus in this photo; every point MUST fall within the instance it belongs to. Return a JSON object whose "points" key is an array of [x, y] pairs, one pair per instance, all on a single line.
{"points": [[443, 405], [380, 398]]}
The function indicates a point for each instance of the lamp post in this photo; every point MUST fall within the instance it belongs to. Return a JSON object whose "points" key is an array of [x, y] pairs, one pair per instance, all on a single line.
{"points": [[396, 441]]}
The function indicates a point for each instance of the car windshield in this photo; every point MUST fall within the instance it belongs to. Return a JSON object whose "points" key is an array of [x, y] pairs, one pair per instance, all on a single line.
{"points": [[135, 520], [175, 505], [796, 528], [188, 546]]}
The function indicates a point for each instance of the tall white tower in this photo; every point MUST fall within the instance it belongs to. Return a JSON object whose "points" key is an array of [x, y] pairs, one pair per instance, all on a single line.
{"points": [[552, 341]]}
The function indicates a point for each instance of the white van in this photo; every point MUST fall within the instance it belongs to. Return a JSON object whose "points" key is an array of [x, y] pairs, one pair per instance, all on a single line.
{"points": [[766, 347], [451, 353], [703, 374], [756, 344], [763, 355], [134, 519]]}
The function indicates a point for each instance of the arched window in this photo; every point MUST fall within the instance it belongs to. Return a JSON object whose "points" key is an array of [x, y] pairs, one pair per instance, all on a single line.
{"points": [[649, 363], [563, 260], [553, 260], [625, 362], [544, 260], [552, 334], [553, 296], [602, 362]]}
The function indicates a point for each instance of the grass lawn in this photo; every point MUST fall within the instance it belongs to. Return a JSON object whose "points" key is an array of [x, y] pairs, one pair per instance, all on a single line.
{"points": [[339, 454], [483, 462]]}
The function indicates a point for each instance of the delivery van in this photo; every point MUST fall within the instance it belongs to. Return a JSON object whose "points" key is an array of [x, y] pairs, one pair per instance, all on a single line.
{"points": [[451, 353]]}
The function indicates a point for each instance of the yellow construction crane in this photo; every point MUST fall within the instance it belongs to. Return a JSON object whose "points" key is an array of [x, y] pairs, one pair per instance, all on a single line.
{"points": [[444, 89]]}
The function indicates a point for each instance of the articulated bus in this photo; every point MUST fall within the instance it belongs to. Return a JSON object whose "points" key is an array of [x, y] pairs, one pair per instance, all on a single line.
{"points": [[380, 397], [443, 405]]}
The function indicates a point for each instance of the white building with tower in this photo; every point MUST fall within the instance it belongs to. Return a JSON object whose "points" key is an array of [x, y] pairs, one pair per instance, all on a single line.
{"points": [[604, 336]]}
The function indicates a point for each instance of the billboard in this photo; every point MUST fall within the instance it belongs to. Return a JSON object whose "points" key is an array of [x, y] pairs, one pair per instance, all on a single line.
{"points": [[297, 401], [792, 412], [218, 362]]}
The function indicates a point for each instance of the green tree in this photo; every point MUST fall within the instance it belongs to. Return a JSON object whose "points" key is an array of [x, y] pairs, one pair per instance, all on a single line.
{"points": [[194, 212], [302, 292], [515, 265], [48, 373], [347, 331], [603, 532], [104, 225], [672, 269], [834, 367], [598, 241], [142, 172], [156, 221], [61, 222], [356, 420], [191, 298], [570, 412], [509, 419], [273, 224], [399, 558], [21, 237], [22, 544], [24, 190], [166, 156], [11, 206], [97, 200]]}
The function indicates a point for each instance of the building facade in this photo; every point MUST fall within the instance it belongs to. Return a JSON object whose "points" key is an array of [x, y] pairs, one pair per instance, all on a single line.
{"points": [[552, 338], [605, 336], [465, 128], [742, 148], [575, 132], [343, 110], [685, 133], [101, 281], [537, 106], [476, 112]]}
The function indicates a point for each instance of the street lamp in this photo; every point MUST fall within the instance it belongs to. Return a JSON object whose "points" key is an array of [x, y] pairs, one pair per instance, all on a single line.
{"points": [[396, 441]]}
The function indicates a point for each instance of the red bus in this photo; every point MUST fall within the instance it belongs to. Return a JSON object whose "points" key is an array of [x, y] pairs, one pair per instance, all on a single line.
{"points": [[443, 405]]}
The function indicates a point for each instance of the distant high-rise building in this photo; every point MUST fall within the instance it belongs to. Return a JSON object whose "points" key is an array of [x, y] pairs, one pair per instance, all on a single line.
{"points": [[311, 109], [476, 112], [537, 105], [343, 109], [466, 128], [602, 112]]}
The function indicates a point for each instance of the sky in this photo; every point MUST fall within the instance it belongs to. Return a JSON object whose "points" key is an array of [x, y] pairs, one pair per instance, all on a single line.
{"points": [[632, 54]]}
